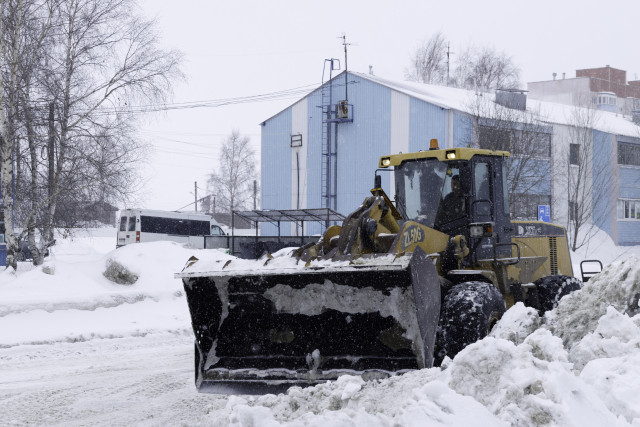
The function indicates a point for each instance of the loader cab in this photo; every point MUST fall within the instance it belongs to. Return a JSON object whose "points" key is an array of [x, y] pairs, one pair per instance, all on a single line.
{"points": [[462, 191]]}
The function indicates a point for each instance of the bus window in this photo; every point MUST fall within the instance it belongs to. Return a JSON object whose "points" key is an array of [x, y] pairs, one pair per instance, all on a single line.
{"points": [[185, 228], [199, 228], [180, 228], [216, 231]]}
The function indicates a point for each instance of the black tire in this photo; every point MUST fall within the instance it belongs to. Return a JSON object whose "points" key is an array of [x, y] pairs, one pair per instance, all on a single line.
{"points": [[468, 313], [549, 290]]}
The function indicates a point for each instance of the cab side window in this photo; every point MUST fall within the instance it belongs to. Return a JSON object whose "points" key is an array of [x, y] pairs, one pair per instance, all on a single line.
{"points": [[482, 189]]}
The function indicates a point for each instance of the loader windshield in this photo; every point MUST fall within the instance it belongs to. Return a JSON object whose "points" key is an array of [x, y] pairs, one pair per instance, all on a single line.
{"points": [[419, 186]]}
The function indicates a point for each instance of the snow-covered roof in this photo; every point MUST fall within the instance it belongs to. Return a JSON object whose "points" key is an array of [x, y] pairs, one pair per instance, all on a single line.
{"points": [[462, 100], [548, 112]]}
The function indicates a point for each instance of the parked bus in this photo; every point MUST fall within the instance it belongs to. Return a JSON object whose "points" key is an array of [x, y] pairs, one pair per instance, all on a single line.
{"points": [[144, 225]]}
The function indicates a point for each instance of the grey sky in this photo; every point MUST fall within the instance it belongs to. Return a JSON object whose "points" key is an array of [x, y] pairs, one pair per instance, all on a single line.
{"points": [[243, 48]]}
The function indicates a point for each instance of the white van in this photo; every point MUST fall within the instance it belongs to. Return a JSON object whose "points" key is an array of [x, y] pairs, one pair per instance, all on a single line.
{"points": [[144, 225]]}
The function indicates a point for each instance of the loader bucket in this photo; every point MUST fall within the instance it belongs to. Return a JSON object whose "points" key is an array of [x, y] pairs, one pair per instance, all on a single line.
{"points": [[374, 316]]}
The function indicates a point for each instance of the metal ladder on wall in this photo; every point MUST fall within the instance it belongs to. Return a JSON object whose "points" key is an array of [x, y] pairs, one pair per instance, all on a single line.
{"points": [[327, 168]]}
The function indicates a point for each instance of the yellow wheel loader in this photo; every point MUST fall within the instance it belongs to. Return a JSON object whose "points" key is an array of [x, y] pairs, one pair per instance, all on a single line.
{"points": [[399, 286]]}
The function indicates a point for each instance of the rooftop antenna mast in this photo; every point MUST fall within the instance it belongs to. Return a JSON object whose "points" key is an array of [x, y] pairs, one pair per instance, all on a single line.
{"points": [[346, 68]]}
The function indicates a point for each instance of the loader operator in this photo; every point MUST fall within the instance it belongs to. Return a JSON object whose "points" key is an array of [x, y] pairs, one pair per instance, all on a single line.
{"points": [[452, 206]]}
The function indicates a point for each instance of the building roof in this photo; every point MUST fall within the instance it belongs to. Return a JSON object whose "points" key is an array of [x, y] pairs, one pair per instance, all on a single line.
{"points": [[290, 215], [462, 100]]}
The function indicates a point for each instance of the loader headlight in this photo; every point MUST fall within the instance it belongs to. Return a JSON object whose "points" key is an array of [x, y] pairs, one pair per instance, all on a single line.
{"points": [[475, 231], [385, 162], [451, 155], [478, 230]]}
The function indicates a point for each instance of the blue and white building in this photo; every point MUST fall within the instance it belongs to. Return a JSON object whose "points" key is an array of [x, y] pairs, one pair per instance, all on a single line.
{"points": [[323, 150]]}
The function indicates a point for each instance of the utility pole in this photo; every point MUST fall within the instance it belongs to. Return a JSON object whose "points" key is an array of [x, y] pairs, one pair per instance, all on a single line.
{"points": [[195, 192], [255, 195], [51, 176]]}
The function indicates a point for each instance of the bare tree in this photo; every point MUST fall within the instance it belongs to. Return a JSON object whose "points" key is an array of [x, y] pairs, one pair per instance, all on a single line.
{"points": [[485, 69], [587, 174], [527, 139], [11, 21], [476, 67], [429, 62], [232, 184], [70, 70], [107, 57]]}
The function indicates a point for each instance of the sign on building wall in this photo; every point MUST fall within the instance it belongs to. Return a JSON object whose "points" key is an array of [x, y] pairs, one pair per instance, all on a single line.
{"points": [[544, 213]]}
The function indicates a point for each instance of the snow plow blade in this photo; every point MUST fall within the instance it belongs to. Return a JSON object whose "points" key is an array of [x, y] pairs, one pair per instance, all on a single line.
{"points": [[373, 316]]}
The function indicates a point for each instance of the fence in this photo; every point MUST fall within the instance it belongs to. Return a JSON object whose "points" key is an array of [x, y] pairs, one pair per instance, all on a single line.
{"points": [[252, 247]]}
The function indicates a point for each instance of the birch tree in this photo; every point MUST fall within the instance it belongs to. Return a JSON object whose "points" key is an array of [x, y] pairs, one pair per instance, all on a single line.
{"points": [[107, 58], [232, 183], [70, 71], [11, 19]]}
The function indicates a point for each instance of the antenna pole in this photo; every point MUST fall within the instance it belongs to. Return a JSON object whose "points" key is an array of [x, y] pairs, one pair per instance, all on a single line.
{"points": [[346, 68]]}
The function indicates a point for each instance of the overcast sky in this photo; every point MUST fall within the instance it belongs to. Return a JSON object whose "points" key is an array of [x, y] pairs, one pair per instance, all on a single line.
{"points": [[236, 49]]}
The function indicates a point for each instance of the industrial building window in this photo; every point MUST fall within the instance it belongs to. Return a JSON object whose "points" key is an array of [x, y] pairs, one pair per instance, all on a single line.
{"points": [[296, 140], [525, 206], [516, 141], [605, 100], [629, 209], [628, 154], [574, 154]]}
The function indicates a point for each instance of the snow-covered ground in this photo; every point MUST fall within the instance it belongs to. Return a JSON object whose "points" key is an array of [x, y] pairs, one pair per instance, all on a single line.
{"points": [[79, 349]]}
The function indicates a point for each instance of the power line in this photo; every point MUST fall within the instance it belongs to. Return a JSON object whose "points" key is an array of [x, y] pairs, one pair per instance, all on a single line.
{"points": [[215, 103]]}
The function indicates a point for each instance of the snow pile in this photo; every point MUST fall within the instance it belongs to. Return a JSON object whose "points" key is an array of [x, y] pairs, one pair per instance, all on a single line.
{"points": [[517, 323], [416, 399], [75, 296], [521, 375], [527, 385], [618, 286], [579, 365], [491, 382]]}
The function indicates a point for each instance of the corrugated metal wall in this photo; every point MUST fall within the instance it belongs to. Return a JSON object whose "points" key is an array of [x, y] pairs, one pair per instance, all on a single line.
{"points": [[314, 157], [603, 208], [362, 142], [276, 165], [384, 122], [426, 121], [462, 129]]}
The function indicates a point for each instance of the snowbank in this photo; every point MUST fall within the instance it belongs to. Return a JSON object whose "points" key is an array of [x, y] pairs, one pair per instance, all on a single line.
{"points": [[579, 365]]}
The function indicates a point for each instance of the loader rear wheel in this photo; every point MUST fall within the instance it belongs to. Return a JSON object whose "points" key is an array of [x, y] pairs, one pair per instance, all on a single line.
{"points": [[549, 290], [470, 310]]}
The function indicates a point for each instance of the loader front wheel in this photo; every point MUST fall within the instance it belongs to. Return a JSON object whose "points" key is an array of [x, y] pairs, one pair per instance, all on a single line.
{"points": [[469, 312], [549, 290]]}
